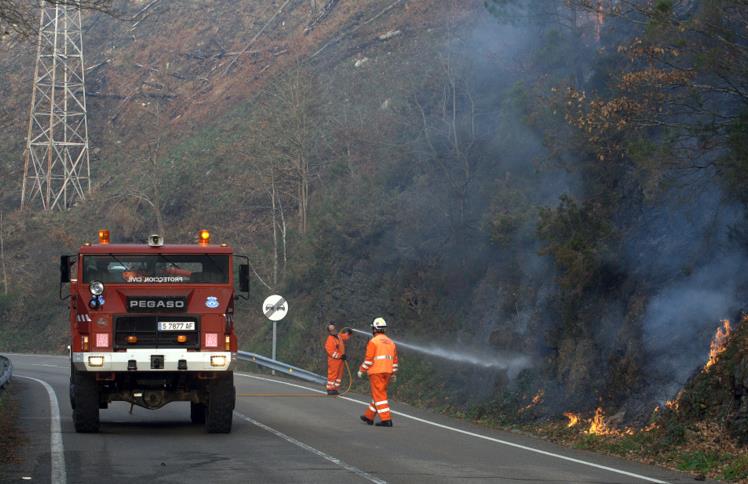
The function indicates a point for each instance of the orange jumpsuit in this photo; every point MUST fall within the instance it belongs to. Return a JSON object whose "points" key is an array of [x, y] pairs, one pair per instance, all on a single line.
{"points": [[380, 364], [335, 349]]}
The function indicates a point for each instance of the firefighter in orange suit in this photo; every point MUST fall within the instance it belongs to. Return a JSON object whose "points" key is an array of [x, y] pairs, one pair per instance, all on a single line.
{"points": [[335, 349], [380, 364]]}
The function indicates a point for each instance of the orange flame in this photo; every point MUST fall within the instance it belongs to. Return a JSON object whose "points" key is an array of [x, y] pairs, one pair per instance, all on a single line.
{"points": [[535, 400], [598, 425], [573, 419], [650, 427], [718, 344]]}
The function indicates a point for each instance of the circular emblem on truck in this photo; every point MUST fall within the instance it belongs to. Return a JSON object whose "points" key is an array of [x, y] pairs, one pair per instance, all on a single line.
{"points": [[211, 302]]}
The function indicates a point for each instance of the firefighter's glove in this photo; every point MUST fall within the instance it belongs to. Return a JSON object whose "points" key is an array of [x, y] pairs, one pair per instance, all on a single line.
{"points": [[343, 357], [360, 374]]}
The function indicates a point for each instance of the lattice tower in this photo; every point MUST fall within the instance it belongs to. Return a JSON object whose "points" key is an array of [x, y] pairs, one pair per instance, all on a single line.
{"points": [[57, 170]]}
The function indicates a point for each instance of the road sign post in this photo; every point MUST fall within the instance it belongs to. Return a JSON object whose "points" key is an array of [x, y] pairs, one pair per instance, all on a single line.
{"points": [[275, 308], [275, 338]]}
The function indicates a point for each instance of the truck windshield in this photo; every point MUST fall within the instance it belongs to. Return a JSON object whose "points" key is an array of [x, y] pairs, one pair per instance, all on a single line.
{"points": [[156, 269]]}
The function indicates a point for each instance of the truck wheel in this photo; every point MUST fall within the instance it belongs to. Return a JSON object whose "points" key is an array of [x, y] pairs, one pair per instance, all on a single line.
{"points": [[197, 413], [71, 386], [221, 396], [86, 398]]}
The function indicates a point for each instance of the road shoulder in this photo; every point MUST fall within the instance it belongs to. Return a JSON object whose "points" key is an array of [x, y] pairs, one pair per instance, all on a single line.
{"points": [[30, 456]]}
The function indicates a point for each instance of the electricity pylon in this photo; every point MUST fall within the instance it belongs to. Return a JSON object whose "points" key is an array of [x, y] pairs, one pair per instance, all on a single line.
{"points": [[57, 171]]}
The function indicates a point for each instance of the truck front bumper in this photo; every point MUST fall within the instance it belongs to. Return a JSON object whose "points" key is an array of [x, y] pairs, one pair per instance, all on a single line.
{"points": [[155, 359]]}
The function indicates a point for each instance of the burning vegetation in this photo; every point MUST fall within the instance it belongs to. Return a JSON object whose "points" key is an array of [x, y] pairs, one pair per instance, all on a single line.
{"points": [[703, 429], [536, 399], [719, 343], [597, 424], [573, 419]]}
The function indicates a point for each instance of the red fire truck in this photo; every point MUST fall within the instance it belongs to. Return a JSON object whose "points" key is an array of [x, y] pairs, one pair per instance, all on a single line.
{"points": [[153, 324]]}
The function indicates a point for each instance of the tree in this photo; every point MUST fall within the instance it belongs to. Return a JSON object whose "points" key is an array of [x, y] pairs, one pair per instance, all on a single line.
{"points": [[682, 81], [20, 16], [143, 183], [452, 130], [3, 270], [290, 110], [571, 28]]}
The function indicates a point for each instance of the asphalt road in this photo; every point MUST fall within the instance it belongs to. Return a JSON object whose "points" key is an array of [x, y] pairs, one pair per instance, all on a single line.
{"points": [[283, 432]]}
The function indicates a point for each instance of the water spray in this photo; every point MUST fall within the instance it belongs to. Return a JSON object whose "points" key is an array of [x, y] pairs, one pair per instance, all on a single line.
{"points": [[512, 362]]}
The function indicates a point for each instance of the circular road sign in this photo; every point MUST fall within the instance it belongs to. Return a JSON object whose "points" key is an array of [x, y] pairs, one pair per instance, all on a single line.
{"points": [[275, 307]]}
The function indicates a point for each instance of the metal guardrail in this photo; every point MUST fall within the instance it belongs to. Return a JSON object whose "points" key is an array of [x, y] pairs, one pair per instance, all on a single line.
{"points": [[6, 370], [279, 366]]}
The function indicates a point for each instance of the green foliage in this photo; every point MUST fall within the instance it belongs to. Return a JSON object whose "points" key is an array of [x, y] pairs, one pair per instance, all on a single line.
{"points": [[662, 10], [578, 237], [735, 163], [6, 301], [673, 434], [510, 11], [636, 443], [701, 461], [737, 468], [664, 6], [510, 212], [588, 442]]}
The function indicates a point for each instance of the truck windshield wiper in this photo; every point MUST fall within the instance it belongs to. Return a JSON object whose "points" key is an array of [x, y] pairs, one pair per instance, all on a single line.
{"points": [[216, 265], [176, 266], [118, 261]]}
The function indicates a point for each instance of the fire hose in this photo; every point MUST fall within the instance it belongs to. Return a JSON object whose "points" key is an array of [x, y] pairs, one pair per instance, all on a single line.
{"points": [[305, 395]]}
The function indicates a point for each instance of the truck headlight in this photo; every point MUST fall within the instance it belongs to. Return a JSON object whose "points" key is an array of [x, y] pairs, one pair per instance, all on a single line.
{"points": [[96, 288], [95, 361], [219, 360]]}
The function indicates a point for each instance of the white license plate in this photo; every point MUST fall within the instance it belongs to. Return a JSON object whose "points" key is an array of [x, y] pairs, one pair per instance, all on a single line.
{"points": [[176, 326]]}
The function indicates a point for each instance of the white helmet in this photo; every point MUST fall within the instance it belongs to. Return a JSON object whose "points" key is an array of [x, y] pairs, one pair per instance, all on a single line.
{"points": [[379, 324]]}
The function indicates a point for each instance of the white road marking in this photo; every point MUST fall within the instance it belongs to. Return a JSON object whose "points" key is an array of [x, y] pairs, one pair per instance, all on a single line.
{"points": [[36, 355], [46, 365], [57, 450], [473, 434], [309, 448]]}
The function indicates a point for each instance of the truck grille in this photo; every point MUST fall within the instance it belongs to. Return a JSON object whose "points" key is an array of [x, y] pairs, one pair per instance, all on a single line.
{"points": [[145, 329]]}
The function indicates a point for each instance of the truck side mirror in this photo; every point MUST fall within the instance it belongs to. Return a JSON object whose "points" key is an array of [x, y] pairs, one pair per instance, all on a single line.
{"points": [[244, 278], [64, 269]]}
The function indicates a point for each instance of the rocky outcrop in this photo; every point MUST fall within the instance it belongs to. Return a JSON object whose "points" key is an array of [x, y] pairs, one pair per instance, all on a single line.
{"points": [[738, 421]]}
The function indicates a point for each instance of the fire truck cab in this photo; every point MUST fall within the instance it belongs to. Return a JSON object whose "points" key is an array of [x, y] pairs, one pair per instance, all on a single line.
{"points": [[153, 324]]}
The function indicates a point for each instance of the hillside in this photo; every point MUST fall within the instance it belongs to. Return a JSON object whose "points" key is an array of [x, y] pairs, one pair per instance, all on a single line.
{"points": [[553, 195]]}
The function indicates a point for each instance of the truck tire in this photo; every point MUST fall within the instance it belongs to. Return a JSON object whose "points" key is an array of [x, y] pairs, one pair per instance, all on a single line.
{"points": [[86, 397], [72, 385], [220, 410], [197, 413]]}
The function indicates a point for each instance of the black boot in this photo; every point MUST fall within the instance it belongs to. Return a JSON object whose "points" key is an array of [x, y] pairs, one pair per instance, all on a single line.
{"points": [[384, 423], [368, 421], [333, 392]]}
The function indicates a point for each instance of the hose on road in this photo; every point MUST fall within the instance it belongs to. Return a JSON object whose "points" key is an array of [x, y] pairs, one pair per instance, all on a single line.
{"points": [[303, 395]]}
